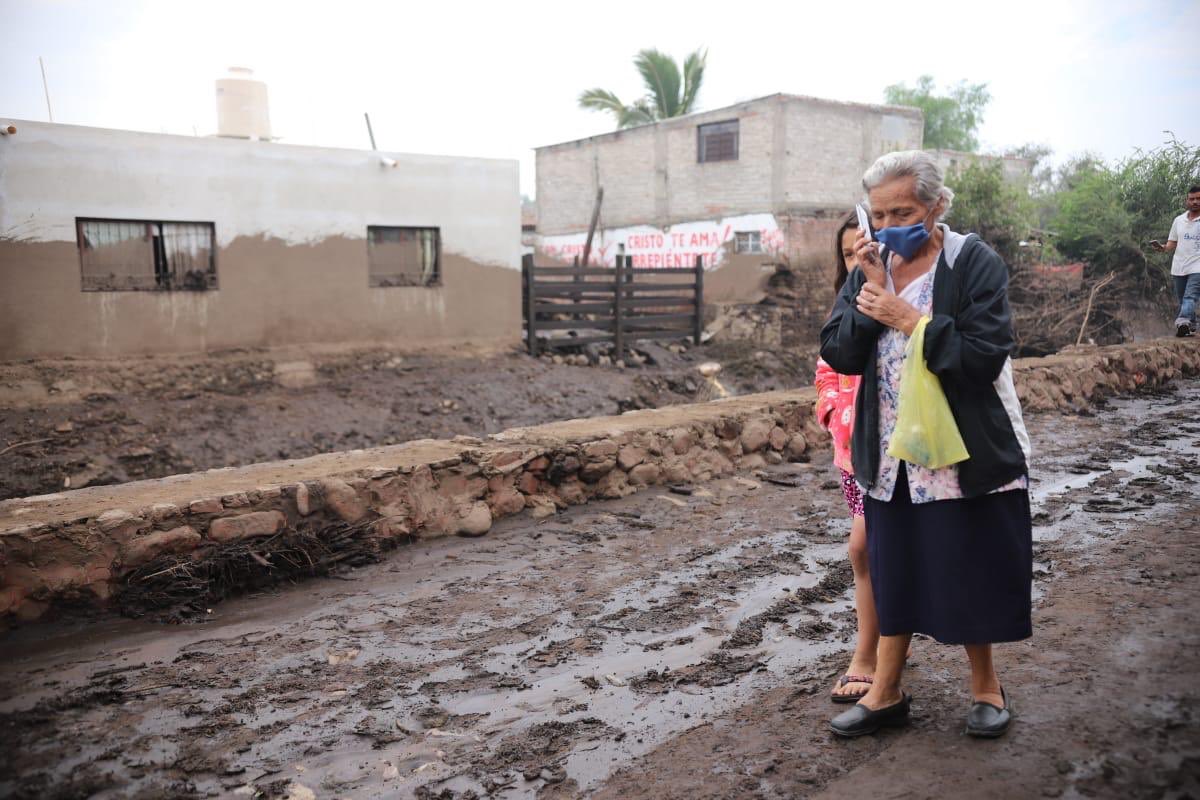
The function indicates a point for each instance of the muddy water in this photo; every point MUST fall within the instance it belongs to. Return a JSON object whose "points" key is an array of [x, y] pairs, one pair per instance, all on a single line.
{"points": [[537, 661]]}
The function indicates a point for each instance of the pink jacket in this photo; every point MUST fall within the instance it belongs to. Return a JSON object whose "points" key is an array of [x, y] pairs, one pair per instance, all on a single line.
{"points": [[835, 410]]}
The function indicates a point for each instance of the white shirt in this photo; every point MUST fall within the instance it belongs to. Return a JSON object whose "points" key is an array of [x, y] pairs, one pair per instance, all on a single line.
{"points": [[1186, 233]]}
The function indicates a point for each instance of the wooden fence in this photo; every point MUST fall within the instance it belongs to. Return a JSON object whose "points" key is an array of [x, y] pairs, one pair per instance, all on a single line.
{"points": [[572, 306]]}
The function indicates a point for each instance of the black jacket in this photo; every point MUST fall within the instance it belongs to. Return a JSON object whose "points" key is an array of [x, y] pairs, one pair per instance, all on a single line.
{"points": [[967, 343]]}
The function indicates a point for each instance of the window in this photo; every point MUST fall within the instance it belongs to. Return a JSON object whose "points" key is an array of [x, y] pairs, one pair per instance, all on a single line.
{"points": [[404, 256], [748, 242], [134, 255], [718, 141]]}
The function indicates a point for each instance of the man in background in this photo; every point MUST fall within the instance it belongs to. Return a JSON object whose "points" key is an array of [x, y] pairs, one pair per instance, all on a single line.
{"points": [[1184, 242]]}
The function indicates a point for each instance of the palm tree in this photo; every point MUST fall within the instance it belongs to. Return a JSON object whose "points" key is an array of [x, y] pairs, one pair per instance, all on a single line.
{"points": [[668, 92]]}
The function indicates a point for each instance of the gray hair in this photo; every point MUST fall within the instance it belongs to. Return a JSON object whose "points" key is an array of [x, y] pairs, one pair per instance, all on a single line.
{"points": [[911, 163]]}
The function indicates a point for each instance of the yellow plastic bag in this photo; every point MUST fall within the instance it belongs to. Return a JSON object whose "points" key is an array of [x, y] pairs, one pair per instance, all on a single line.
{"points": [[926, 433]]}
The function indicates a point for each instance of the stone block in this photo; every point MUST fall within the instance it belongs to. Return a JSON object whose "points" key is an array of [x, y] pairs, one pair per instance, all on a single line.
{"points": [[595, 470], [796, 447], [629, 457], [146, 548], [778, 438], [645, 474], [541, 506], [756, 433], [600, 450], [245, 526], [476, 522], [209, 505], [506, 501], [341, 498]]}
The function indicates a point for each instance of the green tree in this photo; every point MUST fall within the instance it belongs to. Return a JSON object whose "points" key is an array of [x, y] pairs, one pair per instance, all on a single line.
{"points": [[670, 91], [1000, 211], [1105, 215], [951, 119]]}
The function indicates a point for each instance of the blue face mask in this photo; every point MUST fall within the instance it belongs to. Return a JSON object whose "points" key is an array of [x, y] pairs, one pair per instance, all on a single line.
{"points": [[905, 240]]}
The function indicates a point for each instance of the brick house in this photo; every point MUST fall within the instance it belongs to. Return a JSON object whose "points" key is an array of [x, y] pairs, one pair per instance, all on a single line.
{"points": [[747, 188]]}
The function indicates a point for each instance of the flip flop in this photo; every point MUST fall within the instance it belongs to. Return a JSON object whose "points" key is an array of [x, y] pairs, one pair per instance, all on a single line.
{"points": [[850, 698]]}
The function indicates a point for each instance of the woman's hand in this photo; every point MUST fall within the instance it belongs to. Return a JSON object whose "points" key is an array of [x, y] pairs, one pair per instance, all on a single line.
{"points": [[869, 262], [883, 306]]}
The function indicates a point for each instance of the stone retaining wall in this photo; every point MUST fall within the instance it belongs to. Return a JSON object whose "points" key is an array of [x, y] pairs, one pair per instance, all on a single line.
{"points": [[79, 547]]}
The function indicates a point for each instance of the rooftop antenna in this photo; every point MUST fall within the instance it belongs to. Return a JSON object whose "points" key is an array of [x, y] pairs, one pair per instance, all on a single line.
{"points": [[370, 132], [46, 88]]}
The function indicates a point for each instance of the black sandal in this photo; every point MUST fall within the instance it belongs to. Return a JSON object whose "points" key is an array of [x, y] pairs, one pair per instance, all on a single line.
{"points": [[851, 698]]}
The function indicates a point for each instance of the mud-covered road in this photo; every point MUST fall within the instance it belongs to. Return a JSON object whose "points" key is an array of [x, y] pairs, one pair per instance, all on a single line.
{"points": [[665, 645]]}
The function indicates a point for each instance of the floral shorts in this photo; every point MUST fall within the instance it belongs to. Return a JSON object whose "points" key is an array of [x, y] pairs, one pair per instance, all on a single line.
{"points": [[853, 495]]}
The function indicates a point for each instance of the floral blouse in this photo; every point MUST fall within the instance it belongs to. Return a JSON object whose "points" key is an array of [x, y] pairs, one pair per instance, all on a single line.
{"points": [[924, 485]]}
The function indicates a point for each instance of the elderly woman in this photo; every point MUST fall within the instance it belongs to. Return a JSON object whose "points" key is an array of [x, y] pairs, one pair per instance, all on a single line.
{"points": [[950, 549]]}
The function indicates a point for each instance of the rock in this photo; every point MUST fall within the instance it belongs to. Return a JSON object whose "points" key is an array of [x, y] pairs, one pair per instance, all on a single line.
{"points": [[64, 427], [752, 461], [506, 501], [238, 500], [778, 438], [796, 446], [571, 492], [595, 470], [540, 506], [209, 505], [295, 374], [730, 447], [302, 500], [245, 526], [477, 521], [773, 457], [630, 457], [645, 474], [675, 501], [728, 429], [755, 434], [614, 485], [600, 450], [539, 464], [562, 467], [341, 498], [681, 441], [146, 548], [113, 518], [676, 472], [749, 484], [528, 483], [161, 511]]}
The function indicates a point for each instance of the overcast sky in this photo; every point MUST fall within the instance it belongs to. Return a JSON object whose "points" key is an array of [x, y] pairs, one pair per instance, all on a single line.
{"points": [[497, 79]]}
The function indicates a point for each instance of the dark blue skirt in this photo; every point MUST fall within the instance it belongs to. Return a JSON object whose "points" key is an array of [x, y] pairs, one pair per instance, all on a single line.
{"points": [[960, 571]]}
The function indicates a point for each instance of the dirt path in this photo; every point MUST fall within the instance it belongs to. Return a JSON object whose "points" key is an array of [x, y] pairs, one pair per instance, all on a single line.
{"points": [[665, 645], [70, 424]]}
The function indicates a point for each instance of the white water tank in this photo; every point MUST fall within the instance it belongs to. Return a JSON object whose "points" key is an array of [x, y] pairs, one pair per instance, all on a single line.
{"points": [[242, 106]]}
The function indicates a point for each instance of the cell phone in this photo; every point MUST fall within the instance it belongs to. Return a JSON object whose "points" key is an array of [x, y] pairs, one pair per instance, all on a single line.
{"points": [[864, 222]]}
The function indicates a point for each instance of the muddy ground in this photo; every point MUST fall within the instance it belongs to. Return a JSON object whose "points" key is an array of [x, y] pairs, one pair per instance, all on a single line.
{"points": [[662, 646], [76, 423]]}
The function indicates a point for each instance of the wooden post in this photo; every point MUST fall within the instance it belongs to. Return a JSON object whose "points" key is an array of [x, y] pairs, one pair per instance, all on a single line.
{"points": [[618, 304], [698, 310], [575, 298], [530, 299]]}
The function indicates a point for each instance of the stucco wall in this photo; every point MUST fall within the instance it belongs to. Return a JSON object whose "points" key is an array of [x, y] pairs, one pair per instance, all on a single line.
{"points": [[290, 226]]}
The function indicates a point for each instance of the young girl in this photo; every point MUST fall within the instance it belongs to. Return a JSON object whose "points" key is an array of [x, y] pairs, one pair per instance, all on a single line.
{"points": [[835, 413]]}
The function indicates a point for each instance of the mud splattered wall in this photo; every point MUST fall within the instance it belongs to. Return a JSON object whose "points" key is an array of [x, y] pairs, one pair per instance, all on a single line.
{"points": [[291, 251]]}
